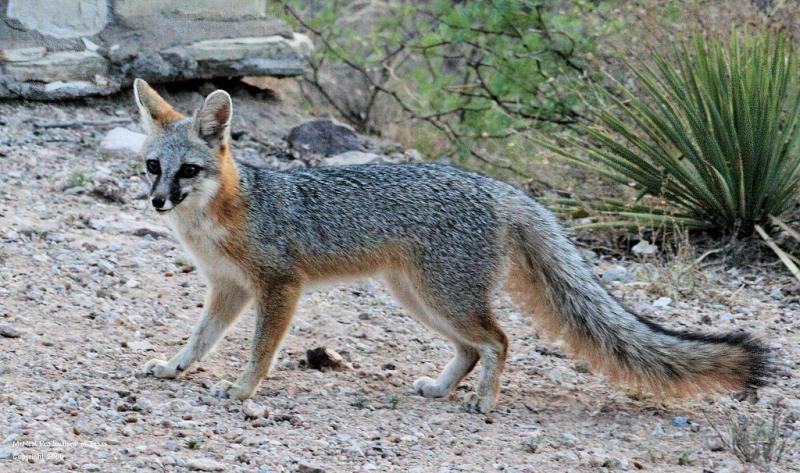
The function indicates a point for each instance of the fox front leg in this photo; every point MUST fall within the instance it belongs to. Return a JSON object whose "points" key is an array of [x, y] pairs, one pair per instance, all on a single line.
{"points": [[275, 310], [224, 302]]}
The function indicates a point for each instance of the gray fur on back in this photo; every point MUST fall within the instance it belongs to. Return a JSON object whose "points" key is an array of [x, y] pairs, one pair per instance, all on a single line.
{"points": [[442, 215]]}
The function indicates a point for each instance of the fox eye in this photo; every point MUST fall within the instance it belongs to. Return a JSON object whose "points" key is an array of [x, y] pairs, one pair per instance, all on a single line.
{"points": [[188, 170], [153, 167]]}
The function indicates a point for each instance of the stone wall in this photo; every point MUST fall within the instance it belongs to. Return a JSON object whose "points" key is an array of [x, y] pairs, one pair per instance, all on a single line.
{"points": [[213, 8], [60, 18], [54, 49]]}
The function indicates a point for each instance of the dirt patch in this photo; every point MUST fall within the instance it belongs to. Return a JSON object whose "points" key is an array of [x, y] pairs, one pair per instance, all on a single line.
{"points": [[89, 297]]}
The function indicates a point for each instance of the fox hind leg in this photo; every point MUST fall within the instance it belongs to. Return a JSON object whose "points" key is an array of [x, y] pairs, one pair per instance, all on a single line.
{"points": [[493, 346], [462, 363], [465, 358], [472, 328]]}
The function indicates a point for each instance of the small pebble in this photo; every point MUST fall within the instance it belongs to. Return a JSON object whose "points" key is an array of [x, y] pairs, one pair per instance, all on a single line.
{"points": [[679, 421], [253, 410], [204, 464]]}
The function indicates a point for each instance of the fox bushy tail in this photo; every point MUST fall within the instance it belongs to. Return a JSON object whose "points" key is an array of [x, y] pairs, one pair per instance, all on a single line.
{"points": [[550, 279]]}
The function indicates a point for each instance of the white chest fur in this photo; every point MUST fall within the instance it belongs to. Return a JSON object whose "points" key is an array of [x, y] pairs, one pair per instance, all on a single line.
{"points": [[201, 237]]}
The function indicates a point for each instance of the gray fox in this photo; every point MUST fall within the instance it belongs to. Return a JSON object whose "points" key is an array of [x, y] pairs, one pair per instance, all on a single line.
{"points": [[443, 239]]}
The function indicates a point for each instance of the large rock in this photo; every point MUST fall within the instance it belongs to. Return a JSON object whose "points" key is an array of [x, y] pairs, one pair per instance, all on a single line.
{"points": [[267, 55], [159, 46], [61, 18], [56, 90], [239, 48], [323, 136], [355, 157], [59, 66], [122, 141], [22, 54], [207, 8]]}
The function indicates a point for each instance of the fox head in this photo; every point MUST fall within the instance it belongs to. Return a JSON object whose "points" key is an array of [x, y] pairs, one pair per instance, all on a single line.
{"points": [[187, 159]]}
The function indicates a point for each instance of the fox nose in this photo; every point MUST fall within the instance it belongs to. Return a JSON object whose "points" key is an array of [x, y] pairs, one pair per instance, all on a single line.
{"points": [[158, 202]]}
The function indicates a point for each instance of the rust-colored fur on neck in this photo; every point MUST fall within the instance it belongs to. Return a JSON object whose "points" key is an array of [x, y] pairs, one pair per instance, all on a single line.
{"points": [[227, 206]]}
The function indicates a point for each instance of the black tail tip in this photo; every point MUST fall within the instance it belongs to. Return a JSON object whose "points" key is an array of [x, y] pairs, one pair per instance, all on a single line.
{"points": [[760, 369]]}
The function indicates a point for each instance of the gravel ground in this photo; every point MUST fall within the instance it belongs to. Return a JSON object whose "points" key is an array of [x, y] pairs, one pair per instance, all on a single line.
{"points": [[92, 286]]}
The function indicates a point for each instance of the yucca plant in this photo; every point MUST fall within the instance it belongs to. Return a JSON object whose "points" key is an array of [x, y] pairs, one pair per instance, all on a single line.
{"points": [[711, 135]]}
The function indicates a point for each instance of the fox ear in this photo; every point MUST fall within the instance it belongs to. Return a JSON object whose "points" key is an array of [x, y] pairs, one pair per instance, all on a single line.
{"points": [[155, 112], [213, 121]]}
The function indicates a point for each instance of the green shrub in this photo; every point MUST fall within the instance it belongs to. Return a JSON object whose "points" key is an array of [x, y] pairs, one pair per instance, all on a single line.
{"points": [[76, 178], [711, 134], [477, 73], [764, 441]]}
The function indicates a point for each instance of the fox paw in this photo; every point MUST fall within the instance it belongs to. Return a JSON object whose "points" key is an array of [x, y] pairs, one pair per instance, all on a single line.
{"points": [[159, 369], [475, 404], [228, 390], [428, 387]]}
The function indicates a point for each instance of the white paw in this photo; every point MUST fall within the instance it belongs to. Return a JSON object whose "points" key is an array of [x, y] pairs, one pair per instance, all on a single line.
{"points": [[428, 387], [159, 369], [476, 404], [227, 390]]}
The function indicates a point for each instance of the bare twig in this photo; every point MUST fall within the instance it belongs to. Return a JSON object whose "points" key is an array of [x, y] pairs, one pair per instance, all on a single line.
{"points": [[757, 440], [786, 228], [784, 257], [475, 92]]}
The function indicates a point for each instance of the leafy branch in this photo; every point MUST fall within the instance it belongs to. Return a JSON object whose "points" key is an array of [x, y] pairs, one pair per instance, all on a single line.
{"points": [[474, 72]]}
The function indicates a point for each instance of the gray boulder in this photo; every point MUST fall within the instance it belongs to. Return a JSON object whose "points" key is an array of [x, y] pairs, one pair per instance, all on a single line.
{"points": [[354, 157], [323, 136], [123, 141]]}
